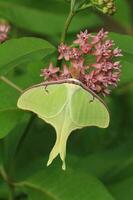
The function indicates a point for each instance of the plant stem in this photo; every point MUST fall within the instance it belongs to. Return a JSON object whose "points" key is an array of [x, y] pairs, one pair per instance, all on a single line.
{"points": [[64, 32], [70, 17], [7, 180], [11, 193], [68, 21], [84, 7], [7, 81]]}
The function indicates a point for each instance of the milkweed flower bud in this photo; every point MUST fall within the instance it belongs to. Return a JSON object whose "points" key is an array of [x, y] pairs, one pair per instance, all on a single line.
{"points": [[4, 30], [105, 6], [100, 74]]}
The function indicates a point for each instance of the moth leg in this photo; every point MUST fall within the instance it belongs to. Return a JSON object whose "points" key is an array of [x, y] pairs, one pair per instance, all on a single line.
{"points": [[46, 90], [92, 100]]}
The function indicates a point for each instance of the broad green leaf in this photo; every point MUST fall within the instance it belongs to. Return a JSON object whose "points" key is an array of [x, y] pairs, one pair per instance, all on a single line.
{"points": [[47, 22], [125, 42], [8, 104], [124, 18], [10, 116], [116, 158], [59, 106], [28, 74], [23, 76], [124, 172], [7, 93], [13, 142], [20, 51], [72, 185], [123, 190], [8, 120]]}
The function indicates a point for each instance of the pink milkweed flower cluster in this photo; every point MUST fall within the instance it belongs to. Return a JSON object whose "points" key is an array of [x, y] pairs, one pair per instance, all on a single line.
{"points": [[4, 30], [91, 59]]}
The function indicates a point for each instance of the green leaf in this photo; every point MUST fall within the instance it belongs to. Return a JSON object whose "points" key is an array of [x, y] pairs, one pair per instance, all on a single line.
{"points": [[116, 159], [8, 120], [125, 42], [19, 76], [72, 185], [17, 51], [9, 115], [123, 190], [48, 21], [124, 18], [13, 142], [27, 74], [7, 93], [60, 107]]}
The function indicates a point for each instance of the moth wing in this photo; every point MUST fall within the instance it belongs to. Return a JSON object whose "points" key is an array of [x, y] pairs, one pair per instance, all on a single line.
{"points": [[44, 102], [87, 110]]}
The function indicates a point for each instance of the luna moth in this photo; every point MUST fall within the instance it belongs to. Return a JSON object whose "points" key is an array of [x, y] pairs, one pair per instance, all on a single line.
{"points": [[66, 105]]}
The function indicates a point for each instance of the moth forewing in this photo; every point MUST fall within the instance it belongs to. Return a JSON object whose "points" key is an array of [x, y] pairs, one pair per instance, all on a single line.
{"points": [[69, 81]]}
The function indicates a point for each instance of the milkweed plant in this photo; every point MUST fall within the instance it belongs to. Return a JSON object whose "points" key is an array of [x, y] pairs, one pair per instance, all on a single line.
{"points": [[66, 88], [71, 94]]}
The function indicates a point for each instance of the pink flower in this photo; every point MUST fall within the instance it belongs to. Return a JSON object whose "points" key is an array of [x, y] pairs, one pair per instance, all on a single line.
{"points": [[82, 38], [94, 62], [113, 78], [85, 48], [116, 65], [102, 51], [4, 29], [103, 66], [77, 64], [117, 52], [75, 54], [3, 37], [90, 81], [77, 69], [64, 51], [100, 36], [65, 73], [109, 43], [50, 73]]}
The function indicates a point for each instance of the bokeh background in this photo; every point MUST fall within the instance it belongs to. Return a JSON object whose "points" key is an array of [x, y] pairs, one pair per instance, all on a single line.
{"points": [[99, 162]]}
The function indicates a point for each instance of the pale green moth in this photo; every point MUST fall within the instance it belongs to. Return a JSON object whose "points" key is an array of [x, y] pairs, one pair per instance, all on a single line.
{"points": [[66, 106]]}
